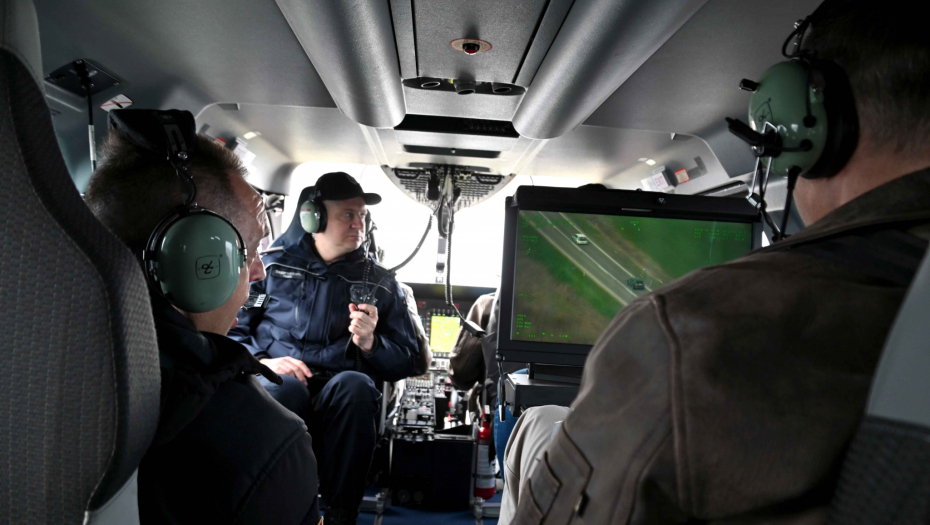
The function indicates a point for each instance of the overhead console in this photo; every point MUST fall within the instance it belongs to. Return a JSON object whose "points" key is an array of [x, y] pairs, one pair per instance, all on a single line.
{"points": [[429, 183], [476, 44], [382, 60], [451, 136]]}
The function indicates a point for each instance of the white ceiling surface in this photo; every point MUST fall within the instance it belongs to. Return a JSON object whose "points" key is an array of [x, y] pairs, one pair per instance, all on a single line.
{"points": [[692, 81], [220, 50], [175, 54], [593, 153], [610, 155], [189, 55]]}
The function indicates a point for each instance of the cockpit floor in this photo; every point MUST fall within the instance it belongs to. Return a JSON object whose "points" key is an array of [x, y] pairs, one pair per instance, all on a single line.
{"points": [[397, 515]]}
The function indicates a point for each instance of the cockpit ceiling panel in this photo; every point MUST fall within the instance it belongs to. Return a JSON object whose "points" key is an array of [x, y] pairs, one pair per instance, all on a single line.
{"points": [[507, 26]]}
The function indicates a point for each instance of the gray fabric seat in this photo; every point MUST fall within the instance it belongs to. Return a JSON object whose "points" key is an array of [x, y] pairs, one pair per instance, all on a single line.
{"points": [[886, 474], [79, 394]]}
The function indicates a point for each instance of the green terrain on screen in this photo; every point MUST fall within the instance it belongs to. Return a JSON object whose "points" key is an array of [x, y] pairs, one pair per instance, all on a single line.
{"points": [[576, 271]]}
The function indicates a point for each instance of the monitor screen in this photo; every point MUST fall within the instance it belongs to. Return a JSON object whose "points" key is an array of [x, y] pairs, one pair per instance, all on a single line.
{"points": [[575, 271], [443, 330]]}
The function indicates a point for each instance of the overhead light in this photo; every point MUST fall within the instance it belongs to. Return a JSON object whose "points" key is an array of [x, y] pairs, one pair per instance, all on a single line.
{"points": [[251, 135], [650, 162], [642, 159]]}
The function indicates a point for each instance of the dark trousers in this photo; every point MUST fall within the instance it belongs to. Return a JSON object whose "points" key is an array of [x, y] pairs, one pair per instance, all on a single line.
{"points": [[341, 415]]}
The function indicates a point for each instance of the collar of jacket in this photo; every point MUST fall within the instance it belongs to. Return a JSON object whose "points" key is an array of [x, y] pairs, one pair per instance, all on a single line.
{"points": [[305, 250], [193, 366], [903, 200]]}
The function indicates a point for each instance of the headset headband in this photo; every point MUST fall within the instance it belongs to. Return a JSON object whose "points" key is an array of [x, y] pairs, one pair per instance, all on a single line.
{"points": [[804, 24], [169, 134]]}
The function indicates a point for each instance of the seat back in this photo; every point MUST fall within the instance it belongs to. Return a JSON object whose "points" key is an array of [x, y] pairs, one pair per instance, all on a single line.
{"points": [[886, 473], [80, 389]]}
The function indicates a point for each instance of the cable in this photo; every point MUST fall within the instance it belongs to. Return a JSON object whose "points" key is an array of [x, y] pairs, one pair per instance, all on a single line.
{"points": [[80, 67], [798, 33], [792, 180], [449, 299], [469, 326], [443, 229], [90, 130], [761, 205], [449, 259], [365, 279], [500, 390], [429, 226]]}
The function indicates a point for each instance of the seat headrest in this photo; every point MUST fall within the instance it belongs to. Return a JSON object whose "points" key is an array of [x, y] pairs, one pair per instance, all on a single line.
{"points": [[19, 35]]}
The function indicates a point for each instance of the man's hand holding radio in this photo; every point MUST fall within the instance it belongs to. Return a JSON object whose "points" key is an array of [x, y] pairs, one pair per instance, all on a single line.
{"points": [[364, 319]]}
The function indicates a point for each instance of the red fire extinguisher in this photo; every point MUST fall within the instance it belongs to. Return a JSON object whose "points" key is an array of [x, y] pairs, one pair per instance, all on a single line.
{"points": [[484, 476]]}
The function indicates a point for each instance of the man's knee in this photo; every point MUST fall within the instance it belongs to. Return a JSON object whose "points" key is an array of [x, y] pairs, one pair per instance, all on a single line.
{"points": [[352, 389], [291, 393], [544, 416], [533, 432]]}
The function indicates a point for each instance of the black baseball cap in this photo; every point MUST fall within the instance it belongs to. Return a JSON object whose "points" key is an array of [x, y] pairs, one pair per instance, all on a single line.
{"points": [[340, 186]]}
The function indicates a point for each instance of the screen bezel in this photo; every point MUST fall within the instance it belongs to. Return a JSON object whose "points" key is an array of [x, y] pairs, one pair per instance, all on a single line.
{"points": [[596, 202]]}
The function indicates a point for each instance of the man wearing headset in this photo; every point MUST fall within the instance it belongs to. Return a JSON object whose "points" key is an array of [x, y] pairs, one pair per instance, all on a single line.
{"points": [[730, 395], [335, 327], [223, 448]]}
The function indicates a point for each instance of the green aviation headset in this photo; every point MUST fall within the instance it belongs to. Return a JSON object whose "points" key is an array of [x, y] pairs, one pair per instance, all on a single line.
{"points": [[802, 115], [313, 214], [193, 256]]}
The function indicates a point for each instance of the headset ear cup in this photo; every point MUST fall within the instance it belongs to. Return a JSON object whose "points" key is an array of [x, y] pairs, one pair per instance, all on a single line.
{"points": [[323, 218], [310, 217], [196, 258], [842, 120]]}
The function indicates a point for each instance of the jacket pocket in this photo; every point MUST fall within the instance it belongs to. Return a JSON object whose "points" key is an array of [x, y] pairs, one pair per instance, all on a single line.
{"points": [[556, 489], [280, 342]]}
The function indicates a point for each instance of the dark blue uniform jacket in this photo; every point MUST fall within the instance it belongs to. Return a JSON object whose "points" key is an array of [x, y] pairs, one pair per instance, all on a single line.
{"points": [[308, 312]]}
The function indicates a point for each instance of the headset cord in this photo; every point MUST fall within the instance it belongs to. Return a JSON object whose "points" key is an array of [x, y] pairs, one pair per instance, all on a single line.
{"points": [[792, 180], [365, 279]]}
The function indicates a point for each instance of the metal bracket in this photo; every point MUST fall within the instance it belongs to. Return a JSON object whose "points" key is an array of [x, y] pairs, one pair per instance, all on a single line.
{"points": [[66, 77]]}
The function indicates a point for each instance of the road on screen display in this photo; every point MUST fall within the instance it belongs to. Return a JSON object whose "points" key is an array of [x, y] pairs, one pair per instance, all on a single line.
{"points": [[576, 271]]}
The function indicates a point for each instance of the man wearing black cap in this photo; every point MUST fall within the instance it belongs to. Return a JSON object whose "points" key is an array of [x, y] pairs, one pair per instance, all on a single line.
{"points": [[335, 327]]}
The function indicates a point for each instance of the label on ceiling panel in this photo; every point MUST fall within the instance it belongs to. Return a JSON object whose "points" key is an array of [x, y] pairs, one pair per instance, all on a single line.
{"points": [[117, 102]]}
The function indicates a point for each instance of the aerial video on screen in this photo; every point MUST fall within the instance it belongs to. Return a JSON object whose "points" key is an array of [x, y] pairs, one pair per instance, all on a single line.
{"points": [[575, 271]]}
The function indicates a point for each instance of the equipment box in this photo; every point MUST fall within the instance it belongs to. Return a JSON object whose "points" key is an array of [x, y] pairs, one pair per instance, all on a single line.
{"points": [[434, 473]]}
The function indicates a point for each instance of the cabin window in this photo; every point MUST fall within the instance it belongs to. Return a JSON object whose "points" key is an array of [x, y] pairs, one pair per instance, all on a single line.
{"points": [[477, 245]]}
